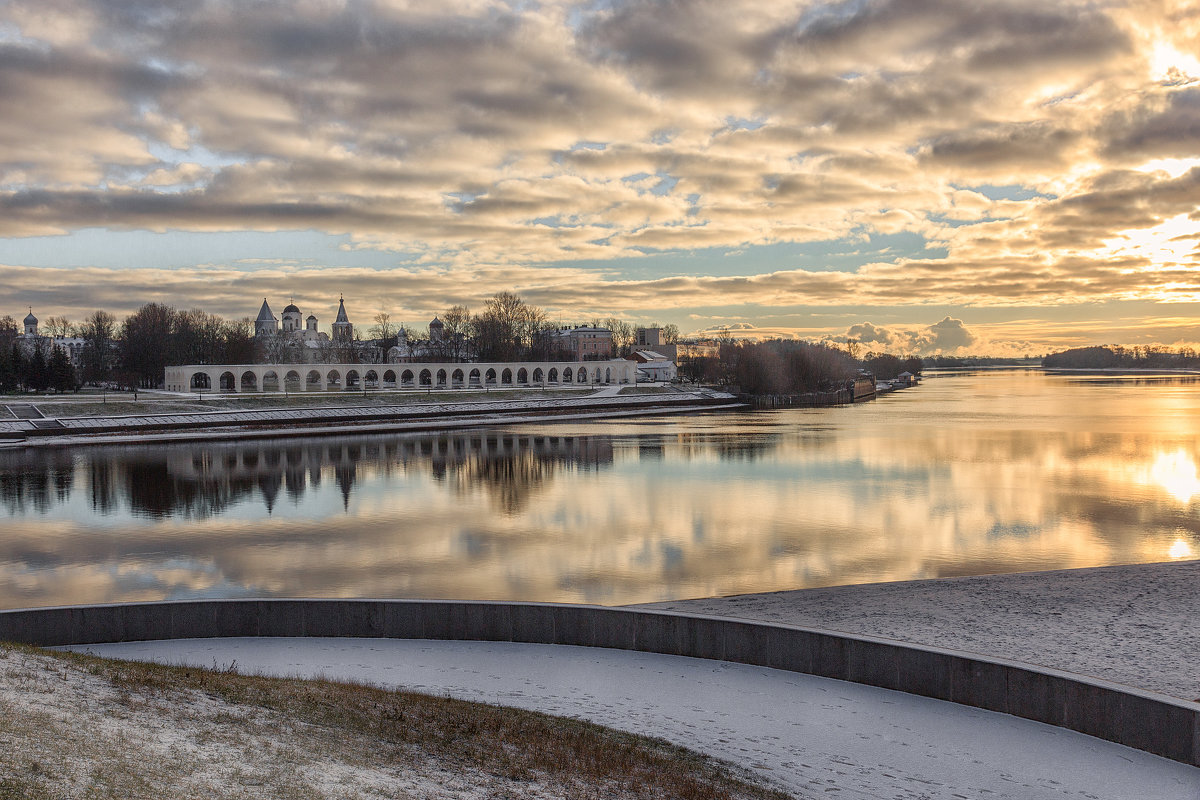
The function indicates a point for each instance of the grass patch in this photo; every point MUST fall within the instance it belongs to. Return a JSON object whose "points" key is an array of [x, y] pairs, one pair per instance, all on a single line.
{"points": [[277, 734]]}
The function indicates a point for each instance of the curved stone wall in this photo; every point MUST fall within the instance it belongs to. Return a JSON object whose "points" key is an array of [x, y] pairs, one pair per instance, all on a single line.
{"points": [[1144, 720]]}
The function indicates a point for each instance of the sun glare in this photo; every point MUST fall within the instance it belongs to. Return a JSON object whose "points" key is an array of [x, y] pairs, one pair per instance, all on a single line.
{"points": [[1167, 243], [1165, 60], [1180, 549], [1172, 166], [1176, 472]]}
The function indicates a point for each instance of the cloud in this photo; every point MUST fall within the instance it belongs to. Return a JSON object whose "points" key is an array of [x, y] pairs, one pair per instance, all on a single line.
{"points": [[495, 139], [945, 337]]}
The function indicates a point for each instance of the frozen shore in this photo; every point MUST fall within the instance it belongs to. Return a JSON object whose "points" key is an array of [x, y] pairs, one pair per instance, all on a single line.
{"points": [[810, 736], [1133, 625], [309, 421]]}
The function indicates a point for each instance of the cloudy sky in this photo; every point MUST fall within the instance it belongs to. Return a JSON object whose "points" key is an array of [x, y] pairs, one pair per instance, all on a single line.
{"points": [[930, 175]]}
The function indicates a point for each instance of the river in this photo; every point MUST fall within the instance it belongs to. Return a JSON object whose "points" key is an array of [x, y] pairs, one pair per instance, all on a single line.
{"points": [[966, 474]]}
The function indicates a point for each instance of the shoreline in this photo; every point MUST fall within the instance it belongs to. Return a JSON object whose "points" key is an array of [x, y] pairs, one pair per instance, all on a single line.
{"points": [[1128, 624], [335, 420]]}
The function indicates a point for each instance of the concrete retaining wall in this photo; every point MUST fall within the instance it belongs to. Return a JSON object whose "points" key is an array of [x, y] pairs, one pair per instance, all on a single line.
{"points": [[1144, 720]]}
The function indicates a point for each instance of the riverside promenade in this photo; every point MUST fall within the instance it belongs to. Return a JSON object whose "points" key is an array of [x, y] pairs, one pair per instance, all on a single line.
{"points": [[311, 421]]}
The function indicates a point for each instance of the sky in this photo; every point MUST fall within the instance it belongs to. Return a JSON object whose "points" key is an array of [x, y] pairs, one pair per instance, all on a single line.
{"points": [[924, 176]]}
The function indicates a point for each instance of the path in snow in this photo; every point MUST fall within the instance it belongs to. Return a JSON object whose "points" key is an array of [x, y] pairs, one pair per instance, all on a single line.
{"points": [[815, 737]]}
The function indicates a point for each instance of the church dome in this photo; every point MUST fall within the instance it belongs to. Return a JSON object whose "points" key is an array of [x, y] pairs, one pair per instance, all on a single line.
{"points": [[437, 323], [31, 319], [291, 309]]}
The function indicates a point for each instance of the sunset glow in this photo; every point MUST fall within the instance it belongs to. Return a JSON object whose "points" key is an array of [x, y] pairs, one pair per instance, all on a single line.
{"points": [[1005, 177]]}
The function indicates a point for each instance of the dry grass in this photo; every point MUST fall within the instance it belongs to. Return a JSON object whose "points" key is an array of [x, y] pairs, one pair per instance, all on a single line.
{"points": [[76, 726]]}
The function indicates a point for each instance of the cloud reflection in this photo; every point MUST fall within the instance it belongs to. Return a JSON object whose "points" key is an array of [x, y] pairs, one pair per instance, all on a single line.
{"points": [[967, 475]]}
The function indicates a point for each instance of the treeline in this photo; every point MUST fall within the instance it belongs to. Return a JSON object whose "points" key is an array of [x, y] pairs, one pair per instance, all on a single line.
{"points": [[1118, 357], [35, 371], [505, 329], [134, 352], [131, 354], [788, 366], [960, 362]]}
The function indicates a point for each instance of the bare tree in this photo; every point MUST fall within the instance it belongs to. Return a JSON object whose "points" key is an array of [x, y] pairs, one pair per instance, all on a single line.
{"points": [[456, 332], [384, 329], [59, 326], [273, 349], [622, 335], [99, 333]]}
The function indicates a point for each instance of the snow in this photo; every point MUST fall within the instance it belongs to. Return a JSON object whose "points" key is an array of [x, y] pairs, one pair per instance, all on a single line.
{"points": [[1133, 624], [811, 736]]}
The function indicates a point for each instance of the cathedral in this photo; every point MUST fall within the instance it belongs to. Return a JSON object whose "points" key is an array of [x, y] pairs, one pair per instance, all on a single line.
{"points": [[299, 334]]}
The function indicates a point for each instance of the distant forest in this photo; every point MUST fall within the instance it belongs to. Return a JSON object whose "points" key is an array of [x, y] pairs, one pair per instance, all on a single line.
{"points": [[1118, 357], [786, 366]]}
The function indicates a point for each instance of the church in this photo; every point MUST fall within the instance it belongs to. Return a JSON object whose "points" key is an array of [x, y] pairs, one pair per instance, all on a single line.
{"points": [[295, 339], [298, 339]]}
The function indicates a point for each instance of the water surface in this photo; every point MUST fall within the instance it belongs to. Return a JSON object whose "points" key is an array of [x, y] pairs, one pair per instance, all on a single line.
{"points": [[967, 474]]}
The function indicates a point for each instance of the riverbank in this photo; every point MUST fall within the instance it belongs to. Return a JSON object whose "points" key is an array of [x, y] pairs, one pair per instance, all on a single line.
{"points": [[306, 420], [161, 731], [1133, 625], [825, 735]]}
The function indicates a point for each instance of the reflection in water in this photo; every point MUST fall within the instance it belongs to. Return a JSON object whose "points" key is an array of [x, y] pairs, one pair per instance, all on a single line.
{"points": [[1176, 472], [968, 474], [206, 480]]}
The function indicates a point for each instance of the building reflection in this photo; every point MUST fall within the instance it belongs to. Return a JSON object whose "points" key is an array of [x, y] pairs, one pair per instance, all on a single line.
{"points": [[205, 480], [37, 487]]}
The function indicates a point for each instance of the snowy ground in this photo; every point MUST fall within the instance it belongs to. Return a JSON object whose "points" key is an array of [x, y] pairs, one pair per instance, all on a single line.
{"points": [[813, 736], [1134, 625]]}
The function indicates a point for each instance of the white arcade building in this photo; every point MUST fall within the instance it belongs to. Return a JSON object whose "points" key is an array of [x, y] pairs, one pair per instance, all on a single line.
{"points": [[227, 378]]}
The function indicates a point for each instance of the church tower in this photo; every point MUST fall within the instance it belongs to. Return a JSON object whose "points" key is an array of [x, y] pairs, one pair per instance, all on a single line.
{"points": [[291, 319], [31, 323], [343, 331], [265, 324]]}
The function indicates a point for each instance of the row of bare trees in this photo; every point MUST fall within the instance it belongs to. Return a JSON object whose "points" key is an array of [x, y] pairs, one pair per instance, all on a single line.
{"points": [[786, 366], [506, 329]]}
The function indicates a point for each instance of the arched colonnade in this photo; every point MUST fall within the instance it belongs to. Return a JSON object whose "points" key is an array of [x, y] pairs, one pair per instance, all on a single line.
{"points": [[285, 378]]}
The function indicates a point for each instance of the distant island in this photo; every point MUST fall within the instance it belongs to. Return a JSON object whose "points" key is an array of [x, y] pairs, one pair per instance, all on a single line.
{"points": [[1119, 357]]}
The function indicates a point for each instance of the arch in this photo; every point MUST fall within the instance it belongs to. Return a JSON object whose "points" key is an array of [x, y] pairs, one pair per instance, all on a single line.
{"points": [[538, 375], [270, 381], [608, 374], [291, 381], [474, 377], [312, 380], [333, 379], [200, 380], [456, 378], [389, 376], [489, 377], [441, 377], [506, 376], [552, 377], [352, 379], [567, 375], [426, 378], [407, 378], [249, 382], [371, 378]]}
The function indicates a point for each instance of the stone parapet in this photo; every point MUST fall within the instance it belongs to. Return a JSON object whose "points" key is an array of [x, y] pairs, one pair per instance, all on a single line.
{"points": [[1143, 720]]}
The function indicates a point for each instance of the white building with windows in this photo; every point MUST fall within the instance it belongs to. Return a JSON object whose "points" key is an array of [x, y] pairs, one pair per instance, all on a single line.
{"points": [[238, 378]]}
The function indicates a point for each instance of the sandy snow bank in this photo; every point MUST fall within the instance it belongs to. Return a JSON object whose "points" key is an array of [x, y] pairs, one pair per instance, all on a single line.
{"points": [[1134, 625], [67, 731], [815, 737]]}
